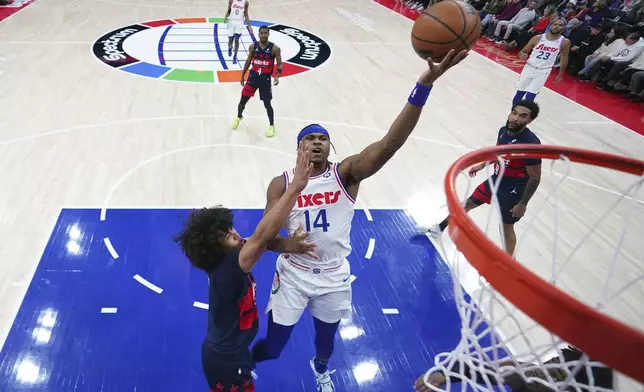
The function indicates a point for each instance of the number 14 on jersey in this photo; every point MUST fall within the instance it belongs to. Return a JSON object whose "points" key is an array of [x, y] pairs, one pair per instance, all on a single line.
{"points": [[319, 221]]}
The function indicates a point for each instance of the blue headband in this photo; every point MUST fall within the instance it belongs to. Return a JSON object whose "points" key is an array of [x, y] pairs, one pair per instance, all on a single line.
{"points": [[309, 129]]}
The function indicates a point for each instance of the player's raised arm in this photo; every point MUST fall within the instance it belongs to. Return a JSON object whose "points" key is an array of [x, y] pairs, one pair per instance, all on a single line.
{"points": [[271, 223], [358, 167]]}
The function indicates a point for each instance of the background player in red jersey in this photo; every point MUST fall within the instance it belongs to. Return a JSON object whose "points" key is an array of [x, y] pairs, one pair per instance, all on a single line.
{"points": [[520, 180], [211, 244], [262, 57]]}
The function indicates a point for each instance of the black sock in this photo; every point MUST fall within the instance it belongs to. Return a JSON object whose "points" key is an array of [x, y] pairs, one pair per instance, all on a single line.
{"points": [[242, 105], [269, 111], [444, 223]]}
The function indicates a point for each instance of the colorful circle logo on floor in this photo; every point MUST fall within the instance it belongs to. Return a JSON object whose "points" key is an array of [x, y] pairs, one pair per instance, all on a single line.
{"points": [[196, 49]]}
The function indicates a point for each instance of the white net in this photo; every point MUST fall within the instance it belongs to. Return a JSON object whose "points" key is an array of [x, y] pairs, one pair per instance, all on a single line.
{"points": [[583, 233]]}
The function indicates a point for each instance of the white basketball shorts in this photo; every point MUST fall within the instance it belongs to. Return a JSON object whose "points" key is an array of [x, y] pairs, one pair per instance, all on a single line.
{"points": [[532, 79], [235, 27], [326, 294]]}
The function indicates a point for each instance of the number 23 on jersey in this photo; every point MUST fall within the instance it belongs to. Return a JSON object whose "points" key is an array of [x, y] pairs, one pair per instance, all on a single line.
{"points": [[316, 220]]}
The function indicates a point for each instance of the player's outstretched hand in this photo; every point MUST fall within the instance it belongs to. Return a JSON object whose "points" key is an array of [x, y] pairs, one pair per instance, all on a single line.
{"points": [[436, 70], [436, 379], [276, 81], [299, 244], [303, 169]]}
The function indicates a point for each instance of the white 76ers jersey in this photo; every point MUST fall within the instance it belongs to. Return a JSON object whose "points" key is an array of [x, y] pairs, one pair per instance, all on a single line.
{"points": [[325, 210], [545, 53], [237, 10]]}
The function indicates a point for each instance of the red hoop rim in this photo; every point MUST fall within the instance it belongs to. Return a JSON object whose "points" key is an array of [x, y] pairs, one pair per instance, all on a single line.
{"points": [[601, 337]]}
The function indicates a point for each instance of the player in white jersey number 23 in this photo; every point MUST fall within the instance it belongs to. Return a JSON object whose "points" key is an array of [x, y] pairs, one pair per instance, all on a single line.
{"points": [[546, 49], [325, 210]]}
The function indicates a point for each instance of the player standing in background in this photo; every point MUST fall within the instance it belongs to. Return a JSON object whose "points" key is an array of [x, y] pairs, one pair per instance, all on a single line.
{"points": [[237, 12], [262, 56], [325, 210], [545, 50], [520, 180], [211, 243]]}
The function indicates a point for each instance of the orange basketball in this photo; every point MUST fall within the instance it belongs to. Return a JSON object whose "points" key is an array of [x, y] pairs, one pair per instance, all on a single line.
{"points": [[443, 26]]}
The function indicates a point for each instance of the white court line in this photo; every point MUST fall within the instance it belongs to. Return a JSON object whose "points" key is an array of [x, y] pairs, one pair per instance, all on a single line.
{"points": [[390, 311], [177, 151], [200, 305], [147, 284], [352, 278], [110, 248], [368, 214], [370, 248], [44, 42], [166, 118], [109, 310]]}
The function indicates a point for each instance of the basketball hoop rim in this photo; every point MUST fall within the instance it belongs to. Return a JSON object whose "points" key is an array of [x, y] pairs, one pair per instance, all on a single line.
{"points": [[604, 339]]}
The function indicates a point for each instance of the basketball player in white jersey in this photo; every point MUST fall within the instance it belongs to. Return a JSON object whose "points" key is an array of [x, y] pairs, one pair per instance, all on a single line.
{"points": [[546, 48], [237, 13], [325, 210]]}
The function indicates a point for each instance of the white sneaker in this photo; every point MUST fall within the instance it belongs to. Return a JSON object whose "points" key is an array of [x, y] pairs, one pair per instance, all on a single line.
{"points": [[433, 230], [323, 380]]}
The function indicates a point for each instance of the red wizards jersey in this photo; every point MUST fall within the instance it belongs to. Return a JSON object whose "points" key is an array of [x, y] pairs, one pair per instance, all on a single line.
{"points": [[263, 60], [515, 169]]}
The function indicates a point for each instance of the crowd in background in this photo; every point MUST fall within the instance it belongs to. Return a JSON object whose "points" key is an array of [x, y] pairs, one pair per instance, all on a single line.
{"points": [[607, 47]]}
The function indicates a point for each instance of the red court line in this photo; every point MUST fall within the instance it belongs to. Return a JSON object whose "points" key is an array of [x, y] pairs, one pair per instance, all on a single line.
{"points": [[621, 111]]}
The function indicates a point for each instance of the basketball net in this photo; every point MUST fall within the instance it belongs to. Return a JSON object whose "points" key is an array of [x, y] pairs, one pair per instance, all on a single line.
{"points": [[588, 277]]}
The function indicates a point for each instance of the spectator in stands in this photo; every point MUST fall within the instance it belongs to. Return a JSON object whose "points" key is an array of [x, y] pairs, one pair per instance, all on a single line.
{"points": [[624, 76], [622, 63], [614, 63], [522, 19], [629, 81], [522, 37], [628, 13], [512, 8], [578, 53], [594, 13], [569, 12], [490, 9], [614, 40], [577, 32]]}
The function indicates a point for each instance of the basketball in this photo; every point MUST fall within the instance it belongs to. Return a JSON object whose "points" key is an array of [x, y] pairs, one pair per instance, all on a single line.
{"points": [[444, 26]]}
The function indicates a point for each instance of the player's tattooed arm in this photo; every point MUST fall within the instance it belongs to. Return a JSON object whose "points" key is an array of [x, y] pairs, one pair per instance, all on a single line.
{"points": [[251, 53], [296, 243], [563, 61]]}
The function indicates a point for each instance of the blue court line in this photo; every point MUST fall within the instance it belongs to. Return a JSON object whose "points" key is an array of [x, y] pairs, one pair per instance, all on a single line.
{"points": [[161, 41], [221, 56]]}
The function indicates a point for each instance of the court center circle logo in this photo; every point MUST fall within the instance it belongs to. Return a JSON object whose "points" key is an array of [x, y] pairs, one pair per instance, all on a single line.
{"points": [[196, 49]]}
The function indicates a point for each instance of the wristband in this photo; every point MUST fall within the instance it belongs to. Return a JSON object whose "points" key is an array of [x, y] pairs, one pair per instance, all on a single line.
{"points": [[419, 95]]}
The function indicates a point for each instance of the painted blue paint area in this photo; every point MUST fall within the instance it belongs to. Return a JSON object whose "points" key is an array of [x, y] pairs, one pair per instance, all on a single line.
{"points": [[161, 41], [60, 341], [146, 69], [218, 46]]}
